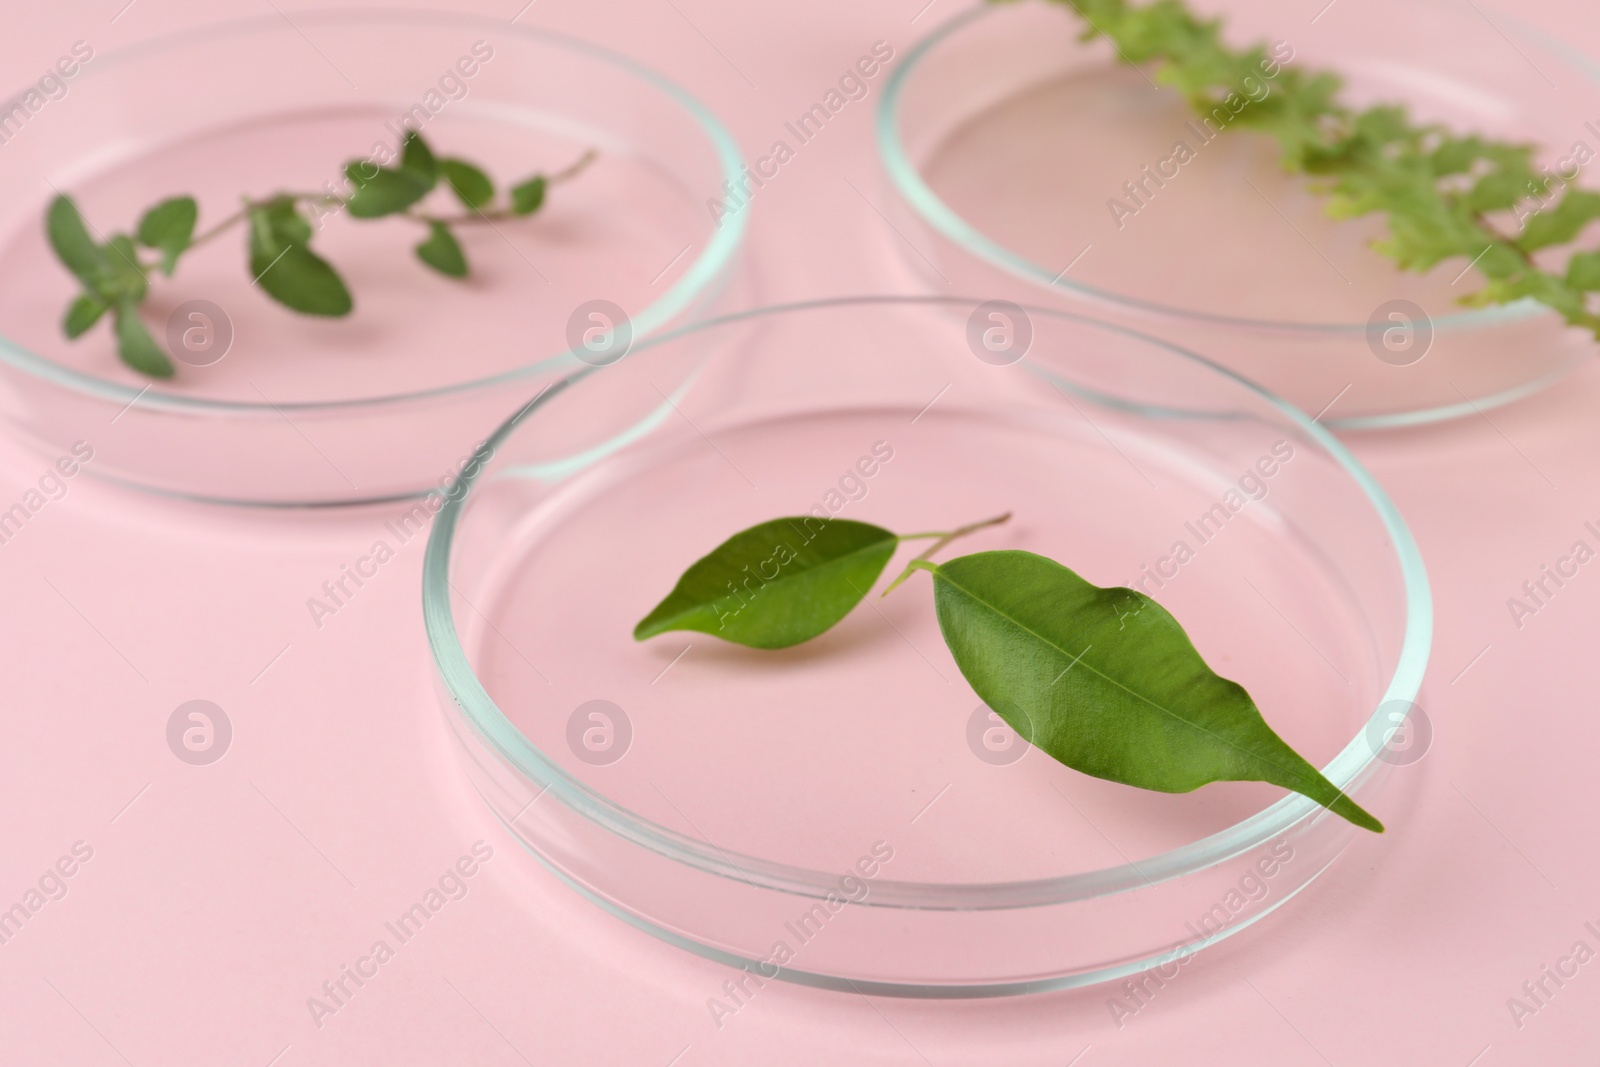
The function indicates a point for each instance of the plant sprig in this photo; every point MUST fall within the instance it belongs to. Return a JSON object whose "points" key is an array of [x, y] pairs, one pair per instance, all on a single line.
{"points": [[1444, 195], [115, 273], [1118, 694]]}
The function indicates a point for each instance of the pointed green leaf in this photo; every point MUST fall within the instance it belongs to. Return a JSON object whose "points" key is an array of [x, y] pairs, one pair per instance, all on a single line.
{"points": [[291, 273], [417, 158], [82, 314], [442, 252], [135, 345], [70, 239], [1583, 271], [776, 584], [1108, 683], [169, 227], [529, 196], [472, 186], [383, 191]]}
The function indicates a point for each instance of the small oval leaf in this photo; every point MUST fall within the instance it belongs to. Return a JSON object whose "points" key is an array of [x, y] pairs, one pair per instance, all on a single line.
{"points": [[82, 314], [169, 227], [1107, 682], [472, 186], [135, 345], [383, 191], [442, 251], [292, 274], [529, 196], [417, 158], [776, 584], [70, 240]]}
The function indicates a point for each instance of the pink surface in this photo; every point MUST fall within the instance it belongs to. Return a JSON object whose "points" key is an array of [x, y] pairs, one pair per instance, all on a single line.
{"points": [[217, 899]]}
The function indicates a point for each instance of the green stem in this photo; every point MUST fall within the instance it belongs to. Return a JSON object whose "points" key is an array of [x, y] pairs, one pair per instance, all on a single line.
{"points": [[570, 171], [943, 537]]}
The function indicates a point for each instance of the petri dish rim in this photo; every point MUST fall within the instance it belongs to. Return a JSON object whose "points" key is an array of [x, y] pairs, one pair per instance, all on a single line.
{"points": [[702, 274], [908, 183], [482, 715]]}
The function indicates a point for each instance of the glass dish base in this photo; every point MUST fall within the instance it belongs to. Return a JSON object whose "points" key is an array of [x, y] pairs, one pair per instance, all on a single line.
{"points": [[846, 812]]}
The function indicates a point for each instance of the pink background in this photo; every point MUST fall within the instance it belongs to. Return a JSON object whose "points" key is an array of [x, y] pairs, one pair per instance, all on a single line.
{"points": [[219, 898]]}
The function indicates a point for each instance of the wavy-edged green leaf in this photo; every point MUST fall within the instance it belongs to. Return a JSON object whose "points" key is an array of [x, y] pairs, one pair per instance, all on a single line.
{"points": [[1107, 682], [528, 197], [471, 185], [169, 227], [71, 241], [381, 191], [442, 251], [81, 315], [135, 345], [776, 584]]}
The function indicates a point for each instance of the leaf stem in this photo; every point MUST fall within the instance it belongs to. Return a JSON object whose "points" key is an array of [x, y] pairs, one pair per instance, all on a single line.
{"points": [[570, 171], [575, 168], [943, 537]]}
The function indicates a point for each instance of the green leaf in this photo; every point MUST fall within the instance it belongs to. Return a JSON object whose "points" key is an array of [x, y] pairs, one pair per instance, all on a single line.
{"points": [[135, 345], [529, 196], [169, 227], [70, 239], [82, 314], [282, 217], [1560, 224], [442, 252], [383, 191], [417, 158], [1583, 271], [290, 272], [776, 584], [122, 277], [1439, 191], [1114, 691], [472, 186]]}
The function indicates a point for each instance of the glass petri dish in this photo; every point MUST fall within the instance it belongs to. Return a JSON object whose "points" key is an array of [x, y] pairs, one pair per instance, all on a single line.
{"points": [[387, 402], [1029, 165], [846, 813]]}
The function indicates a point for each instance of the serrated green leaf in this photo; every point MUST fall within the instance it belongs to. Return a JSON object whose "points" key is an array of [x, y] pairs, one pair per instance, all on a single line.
{"points": [[775, 584], [1583, 271], [1439, 192], [529, 196], [135, 345], [472, 186], [417, 158], [81, 315], [381, 191], [169, 227], [290, 272], [1560, 224], [442, 251], [70, 239], [1107, 682]]}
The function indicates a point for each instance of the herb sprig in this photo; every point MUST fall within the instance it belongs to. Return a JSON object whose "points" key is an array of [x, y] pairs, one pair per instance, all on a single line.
{"points": [[115, 273], [1444, 195], [1116, 693]]}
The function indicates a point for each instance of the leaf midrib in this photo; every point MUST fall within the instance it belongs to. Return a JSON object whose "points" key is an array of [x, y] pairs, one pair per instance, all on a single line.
{"points": [[834, 562], [941, 575]]}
